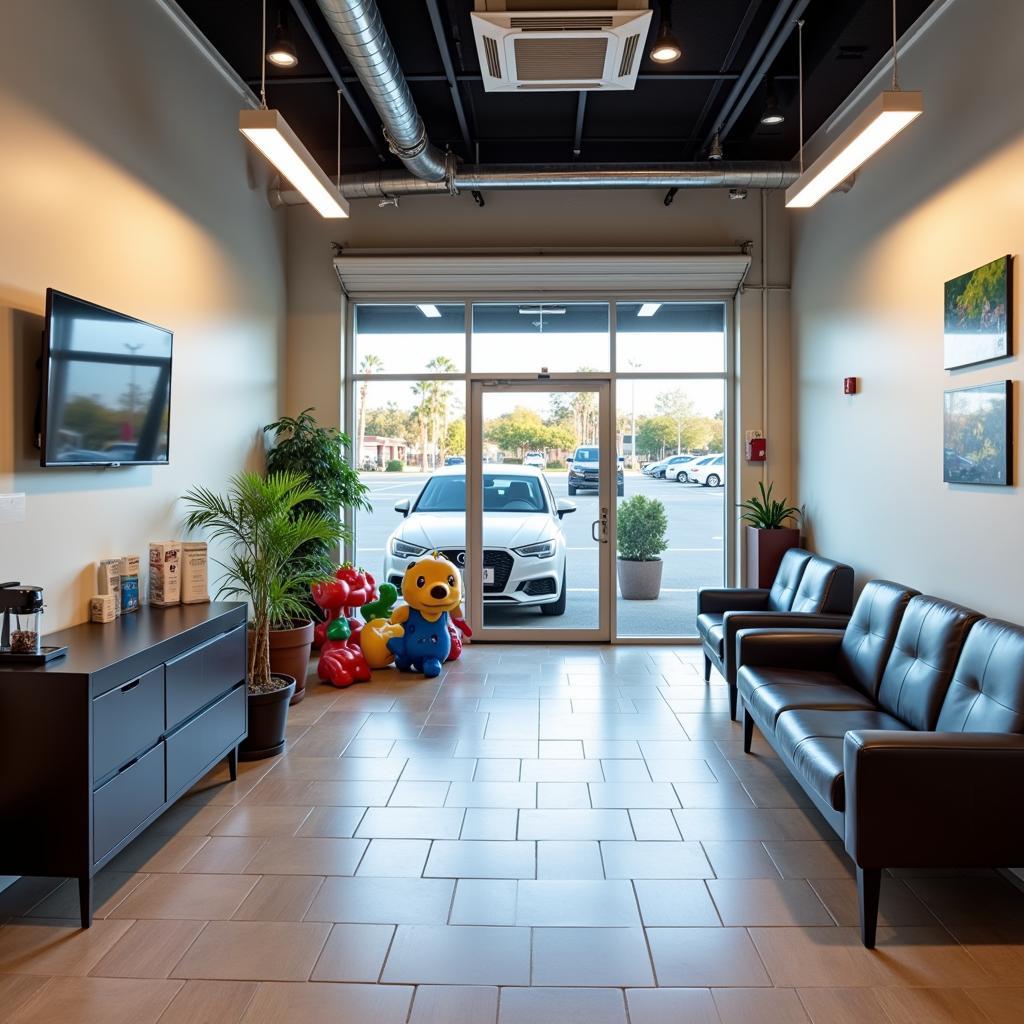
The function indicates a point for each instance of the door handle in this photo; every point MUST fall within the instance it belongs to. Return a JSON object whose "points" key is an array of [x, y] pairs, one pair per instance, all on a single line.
{"points": [[600, 526], [594, 526]]}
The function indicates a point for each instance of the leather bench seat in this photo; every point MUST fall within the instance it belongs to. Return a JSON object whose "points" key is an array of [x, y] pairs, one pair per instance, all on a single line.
{"points": [[769, 692]]}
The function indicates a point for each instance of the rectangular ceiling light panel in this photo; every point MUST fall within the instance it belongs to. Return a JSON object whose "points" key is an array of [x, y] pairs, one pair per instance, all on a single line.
{"points": [[887, 116], [268, 131]]}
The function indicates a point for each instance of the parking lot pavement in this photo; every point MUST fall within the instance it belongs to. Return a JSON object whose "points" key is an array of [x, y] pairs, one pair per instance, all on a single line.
{"points": [[694, 557]]}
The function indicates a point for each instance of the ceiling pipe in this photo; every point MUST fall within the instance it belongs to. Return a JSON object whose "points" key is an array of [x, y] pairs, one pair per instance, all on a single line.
{"points": [[361, 33]]}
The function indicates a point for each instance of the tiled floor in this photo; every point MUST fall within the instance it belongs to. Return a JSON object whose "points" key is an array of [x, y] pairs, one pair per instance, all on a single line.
{"points": [[546, 834]]}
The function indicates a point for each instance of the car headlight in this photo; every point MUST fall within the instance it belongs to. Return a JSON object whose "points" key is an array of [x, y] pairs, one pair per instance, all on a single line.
{"points": [[545, 549], [403, 549]]}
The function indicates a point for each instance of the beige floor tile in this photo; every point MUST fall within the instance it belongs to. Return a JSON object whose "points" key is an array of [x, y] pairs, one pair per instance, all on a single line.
{"points": [[732, 823], [563, 794], [439, 769], [575, 824], [98, 1001], [395, 858], [187, 820], [283, 791], [898, 905], [967, 901], [927, 958], [411, 823], [765, 1006], [622, 770], [16, 990], [560, 770], [486, 901], [810, 859], [490, 823], [370, 900], [843, 1006], [331, 823], [432, 955], [327, 769], [261, 820], [150, 853], [492, 794], [354, 952], [934, 1005], [703, 795], [767, 901], [672, 1006], [279, 898], [41, 946], [149, 949], [688, 957], [684, 771], [254, 951], [493, 767], [454, 1004], [633, 794], [739, 859], [308, 857], [654, 860], [593, 957], [676, 904], [650, 825], [419, 794], [481, 859], [109, 889], [193, 897], [562, 1006], [226, 855], [320, 1003], [569, 859], [1003, 1005], [576, 904], [1000, 948]]}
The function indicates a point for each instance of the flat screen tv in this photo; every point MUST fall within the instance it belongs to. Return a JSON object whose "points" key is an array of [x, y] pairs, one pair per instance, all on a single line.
{"points": [[106, 387]]}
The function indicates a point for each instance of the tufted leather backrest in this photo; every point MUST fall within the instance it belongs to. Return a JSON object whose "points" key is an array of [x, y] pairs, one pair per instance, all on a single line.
{"points": [[787, 579], [826, 587], [919, 670], [869, 636], [987, 691]]}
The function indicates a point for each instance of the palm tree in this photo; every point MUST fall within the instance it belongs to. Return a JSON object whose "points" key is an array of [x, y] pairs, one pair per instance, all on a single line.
{"points": [[370, 364], [421, 414], [440, 403]]}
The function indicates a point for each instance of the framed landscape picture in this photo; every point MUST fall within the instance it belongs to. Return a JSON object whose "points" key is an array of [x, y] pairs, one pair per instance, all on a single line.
{"points": [[977, 435], [977, 318]]}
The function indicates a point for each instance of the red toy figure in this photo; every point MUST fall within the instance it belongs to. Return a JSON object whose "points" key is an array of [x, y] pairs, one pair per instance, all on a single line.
{"points": [[463, 627], [350, 589], [341, 658]]}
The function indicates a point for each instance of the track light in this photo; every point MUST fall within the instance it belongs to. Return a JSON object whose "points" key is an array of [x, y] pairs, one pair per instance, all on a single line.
{"points": [[772, 115], [666, 48], [281, 52]]}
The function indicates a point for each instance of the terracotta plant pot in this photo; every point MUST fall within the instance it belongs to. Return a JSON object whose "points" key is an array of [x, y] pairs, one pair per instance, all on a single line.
{"points": [[290, 650], [640, 581], [765, 549], [268, 720]]}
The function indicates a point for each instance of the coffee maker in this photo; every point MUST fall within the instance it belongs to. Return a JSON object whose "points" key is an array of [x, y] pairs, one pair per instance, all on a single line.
{"points": [[20, 634]]}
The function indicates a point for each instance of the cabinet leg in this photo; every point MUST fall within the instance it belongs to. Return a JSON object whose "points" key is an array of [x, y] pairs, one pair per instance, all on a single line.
{"points": [[85, 900], [233, 763]]}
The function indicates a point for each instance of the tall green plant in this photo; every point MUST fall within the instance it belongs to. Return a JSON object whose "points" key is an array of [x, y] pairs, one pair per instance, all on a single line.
{"points": [[640, 529], [301, 445], [766, 512], [261, 524]]}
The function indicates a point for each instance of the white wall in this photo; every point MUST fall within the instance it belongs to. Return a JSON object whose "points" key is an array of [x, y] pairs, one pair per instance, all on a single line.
{"points": [[124, 180], [868, 273]]}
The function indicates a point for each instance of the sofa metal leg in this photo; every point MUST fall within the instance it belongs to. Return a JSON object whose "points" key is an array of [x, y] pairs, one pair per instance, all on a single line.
{"points": [[748, 729], [869, 887], [707, 669]]}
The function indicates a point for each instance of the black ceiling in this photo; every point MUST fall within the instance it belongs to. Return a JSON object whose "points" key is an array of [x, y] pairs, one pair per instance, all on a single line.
{"points": [[665, 119]]}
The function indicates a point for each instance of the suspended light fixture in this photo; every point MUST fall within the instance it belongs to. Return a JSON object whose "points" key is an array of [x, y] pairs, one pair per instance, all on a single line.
{"points": [[881, 122], [715, 152], [270, 133], [772, 114], [281, 52], [429, 310], [649, 308], [666, 48]]}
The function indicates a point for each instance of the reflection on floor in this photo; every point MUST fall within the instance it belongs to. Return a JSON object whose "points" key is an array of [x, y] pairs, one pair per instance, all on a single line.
{"points": [[546, 834]]}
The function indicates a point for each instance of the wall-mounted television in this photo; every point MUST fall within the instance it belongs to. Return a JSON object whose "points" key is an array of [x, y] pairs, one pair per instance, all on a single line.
{"points": [[106, 397]]}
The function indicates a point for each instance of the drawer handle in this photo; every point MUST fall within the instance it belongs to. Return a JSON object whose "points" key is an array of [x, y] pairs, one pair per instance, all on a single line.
{"points": [[130, 686], [125, 768]]}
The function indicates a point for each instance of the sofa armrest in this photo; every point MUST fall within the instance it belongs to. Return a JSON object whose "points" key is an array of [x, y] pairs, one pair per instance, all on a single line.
{"points": [[734, 621], [933, 799], [814, 649], [727, 599]]}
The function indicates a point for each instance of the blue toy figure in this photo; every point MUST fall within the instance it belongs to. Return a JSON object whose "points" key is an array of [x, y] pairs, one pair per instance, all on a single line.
{"points": [[432, 589]]}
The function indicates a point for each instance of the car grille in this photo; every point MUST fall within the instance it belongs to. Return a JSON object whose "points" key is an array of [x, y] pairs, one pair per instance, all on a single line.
{"points": [[537, 588], [500, 561]]}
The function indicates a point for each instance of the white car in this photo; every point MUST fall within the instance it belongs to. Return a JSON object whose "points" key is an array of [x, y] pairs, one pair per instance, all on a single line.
{"points": [[524, 546], [535, 459], [681, 472], [711, 473]]}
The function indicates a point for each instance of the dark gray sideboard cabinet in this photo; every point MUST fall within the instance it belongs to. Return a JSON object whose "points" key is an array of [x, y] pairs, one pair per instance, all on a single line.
{"points": [[97, 744]]}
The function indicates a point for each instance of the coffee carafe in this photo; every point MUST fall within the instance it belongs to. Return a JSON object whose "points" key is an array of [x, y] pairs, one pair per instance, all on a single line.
{"points": [[22, 608]]}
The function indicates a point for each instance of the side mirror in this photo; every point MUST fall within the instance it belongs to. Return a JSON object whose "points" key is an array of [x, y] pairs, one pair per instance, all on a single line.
{"points": [[568, 462], [403, 506], [563, 507]]}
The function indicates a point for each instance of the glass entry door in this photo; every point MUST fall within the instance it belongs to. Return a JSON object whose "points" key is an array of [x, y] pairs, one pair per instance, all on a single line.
{"points": [[542, 475]]}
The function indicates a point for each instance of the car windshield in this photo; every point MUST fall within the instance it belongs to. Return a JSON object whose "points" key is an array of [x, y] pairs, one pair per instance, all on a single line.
{"points": [[501, 494], [586, 455]]}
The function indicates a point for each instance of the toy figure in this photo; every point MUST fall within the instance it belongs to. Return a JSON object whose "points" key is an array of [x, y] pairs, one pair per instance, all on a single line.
{"points": [[351, 588], [432, 588], [383, 606], [341, 658]]}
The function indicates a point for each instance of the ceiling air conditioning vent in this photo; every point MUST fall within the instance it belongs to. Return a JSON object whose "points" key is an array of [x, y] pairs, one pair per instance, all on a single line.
{"points": [[560, 45]]}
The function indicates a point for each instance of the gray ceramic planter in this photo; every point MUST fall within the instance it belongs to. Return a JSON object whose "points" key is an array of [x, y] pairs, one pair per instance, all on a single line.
{"points": [[640, 581]]}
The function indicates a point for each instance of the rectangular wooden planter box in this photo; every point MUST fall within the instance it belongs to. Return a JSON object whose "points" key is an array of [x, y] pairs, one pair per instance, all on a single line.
{"points": [[765, 549]]}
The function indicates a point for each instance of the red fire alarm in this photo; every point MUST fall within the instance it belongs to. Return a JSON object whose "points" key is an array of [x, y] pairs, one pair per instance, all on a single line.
{"points": [[849, 385]]}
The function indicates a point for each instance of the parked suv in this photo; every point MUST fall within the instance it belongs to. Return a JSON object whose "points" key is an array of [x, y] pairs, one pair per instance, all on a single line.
{"points": [[535, 459], [583, 471]]}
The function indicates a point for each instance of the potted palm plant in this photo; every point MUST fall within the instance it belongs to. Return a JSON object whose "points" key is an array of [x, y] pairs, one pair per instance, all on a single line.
{"points": [[640, 537], [768, 536], [260, 529]]}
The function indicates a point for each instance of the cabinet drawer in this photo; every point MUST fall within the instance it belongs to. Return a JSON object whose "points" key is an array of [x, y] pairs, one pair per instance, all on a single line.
{"points": [[126, 720], [127, 800], [193, 747], [195, 678]]}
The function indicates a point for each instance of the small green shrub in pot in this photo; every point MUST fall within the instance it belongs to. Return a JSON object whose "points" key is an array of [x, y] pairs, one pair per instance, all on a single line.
{"points": [[640, 532]]}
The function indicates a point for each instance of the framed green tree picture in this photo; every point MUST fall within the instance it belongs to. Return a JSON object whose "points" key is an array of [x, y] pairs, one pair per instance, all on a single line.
{"points": [[978, 315]]}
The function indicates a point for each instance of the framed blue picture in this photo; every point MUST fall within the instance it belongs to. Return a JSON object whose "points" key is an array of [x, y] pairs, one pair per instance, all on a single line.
{"points": [[978, 436]]}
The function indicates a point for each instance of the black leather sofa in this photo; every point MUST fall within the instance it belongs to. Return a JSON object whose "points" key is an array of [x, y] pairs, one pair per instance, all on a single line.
{"points": [[808, 591], [906, 730]]}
